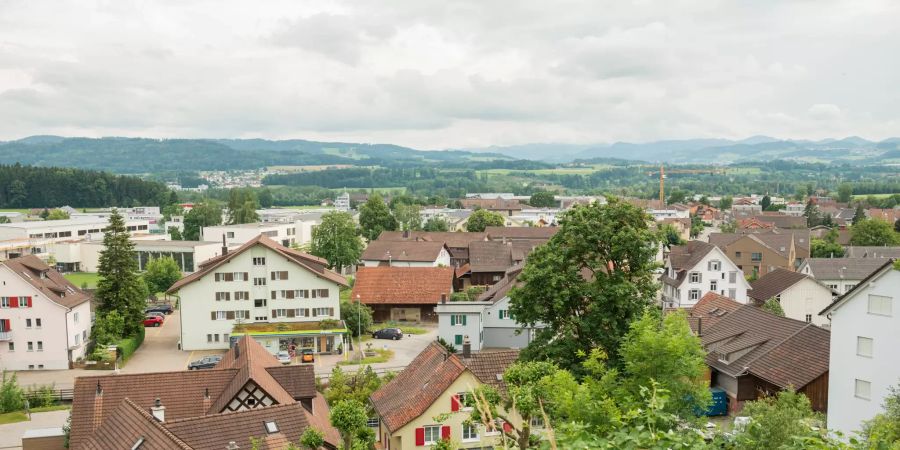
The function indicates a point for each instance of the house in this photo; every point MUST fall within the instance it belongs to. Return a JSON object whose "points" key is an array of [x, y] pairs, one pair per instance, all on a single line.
{"points": [[457, 242], [504, 206], [697, 267], [840, 274], [285, 298], [890, 216], [456, 218], [865, 336], [783, 221], [520, 234], [433, 386], [403, 293], [45, 320], [405, 254], [248, 395], [757, 254], [489, 260], [857, 251], [84, 255], [709, 310], [296, 230], [485, 321], [800, 295], [752, 353]]}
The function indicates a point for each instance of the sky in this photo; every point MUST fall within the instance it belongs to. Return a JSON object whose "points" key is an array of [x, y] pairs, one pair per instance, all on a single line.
{"points": [[450, 74]]}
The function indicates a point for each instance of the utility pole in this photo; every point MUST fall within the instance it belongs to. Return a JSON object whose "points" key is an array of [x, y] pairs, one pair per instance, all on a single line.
{"points": [[662, 191]]}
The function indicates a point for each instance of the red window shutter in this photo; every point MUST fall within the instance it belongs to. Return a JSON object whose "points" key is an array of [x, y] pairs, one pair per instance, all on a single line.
{"points": [[5, 323], [14, 302], [445, 432], [420, 437], [507, 428], [29, 301], [454, 403]]}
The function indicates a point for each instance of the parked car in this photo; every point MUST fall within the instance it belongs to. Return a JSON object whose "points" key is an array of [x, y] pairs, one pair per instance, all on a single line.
{"points": [[155, 313], [165, 309], [307, 355], [153, 321], [388, 333], [283, 357], [206, 362]]}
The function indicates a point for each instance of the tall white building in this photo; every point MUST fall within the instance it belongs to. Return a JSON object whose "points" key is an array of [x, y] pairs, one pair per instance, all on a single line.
{"points": [[865, 336], [286, 230], [693, 269], [342, 202], [284, 298], [62, 230]]}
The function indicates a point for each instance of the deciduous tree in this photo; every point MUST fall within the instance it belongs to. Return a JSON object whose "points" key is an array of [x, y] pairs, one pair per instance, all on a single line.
{"points": [[375, 217], [337, 240], [874, 232], [543, 199], [845, 192], [436, 224], [408, 216], [161, 273], [773, 306], [205, 214], [481, 219], [349, 418], [242, 206]]}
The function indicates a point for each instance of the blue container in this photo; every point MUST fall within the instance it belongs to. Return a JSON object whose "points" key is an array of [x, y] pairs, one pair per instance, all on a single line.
{"points": [[719, 405]]}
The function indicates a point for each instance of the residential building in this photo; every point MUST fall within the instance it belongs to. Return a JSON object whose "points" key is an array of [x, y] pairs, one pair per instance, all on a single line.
{"points": [[65, 230], [800, 295], [757, 254], [434, 385], [503, 206], [84, 255], [795, 209], [520, 234], [783, 221], [489, 260], [753, 353], [486, 321], [840, 274], [405, 254], [456, 218], [342, 202], [705, 313], [403, 293], [457, 242], [285, 298], [249, 396], [697, 267], [45, 320], [857, 251], [865, 336], [297, 232], [890, 216]]}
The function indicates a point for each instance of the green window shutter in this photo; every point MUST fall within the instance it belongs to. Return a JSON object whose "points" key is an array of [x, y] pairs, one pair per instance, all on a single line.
{"points": [[458, 339], [452, 320], [464, 320]]}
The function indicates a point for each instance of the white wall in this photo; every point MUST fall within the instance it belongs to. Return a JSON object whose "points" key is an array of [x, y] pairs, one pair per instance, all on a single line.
{"points": [[473, 327], [722, 278], [846, 412], [806, 298]]}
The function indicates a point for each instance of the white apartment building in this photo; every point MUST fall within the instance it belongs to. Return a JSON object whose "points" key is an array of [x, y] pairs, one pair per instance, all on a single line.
{"points": [[297, 231], [45, 321], [865, 336], [342, 202], [281, 297], [65, 230], [840, 274], [696, 268], [800, 296]]}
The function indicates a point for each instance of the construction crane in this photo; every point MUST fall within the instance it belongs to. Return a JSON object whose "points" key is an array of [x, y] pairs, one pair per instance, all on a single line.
{"points": [[662, 177]]}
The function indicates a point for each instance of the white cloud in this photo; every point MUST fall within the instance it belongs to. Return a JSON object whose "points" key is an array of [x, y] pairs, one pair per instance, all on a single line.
{"points": [[824, 111]]}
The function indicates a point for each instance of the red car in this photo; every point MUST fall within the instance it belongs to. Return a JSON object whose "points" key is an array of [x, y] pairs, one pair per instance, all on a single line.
{"points": [[153, 321]]}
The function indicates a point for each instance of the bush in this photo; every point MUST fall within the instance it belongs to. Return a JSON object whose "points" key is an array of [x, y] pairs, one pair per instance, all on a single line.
{"points": [[12, 398], [127, 347], [41, 396]]}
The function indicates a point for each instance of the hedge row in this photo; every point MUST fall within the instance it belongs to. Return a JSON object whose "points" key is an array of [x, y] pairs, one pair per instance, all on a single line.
{"points": [[129, 345]]}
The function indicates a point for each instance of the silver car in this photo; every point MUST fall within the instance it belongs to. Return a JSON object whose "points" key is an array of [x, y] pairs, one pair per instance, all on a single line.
{"points": [[283, 357]]}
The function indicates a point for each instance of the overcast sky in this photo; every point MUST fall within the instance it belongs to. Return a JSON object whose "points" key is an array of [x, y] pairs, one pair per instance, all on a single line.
{"points": [[439, 74]]}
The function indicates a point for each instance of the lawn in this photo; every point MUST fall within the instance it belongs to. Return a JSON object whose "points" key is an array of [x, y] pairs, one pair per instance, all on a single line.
{"points": [[406, 329], [381, 356], [80, 278], [19, 416], [873, 195], [18, 210]]}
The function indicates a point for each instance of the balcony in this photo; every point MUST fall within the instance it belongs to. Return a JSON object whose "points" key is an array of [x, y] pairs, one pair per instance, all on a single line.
{"points": [[6, 335]]}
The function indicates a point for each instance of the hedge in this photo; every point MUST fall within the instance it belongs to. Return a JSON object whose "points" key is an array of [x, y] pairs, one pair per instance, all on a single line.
{"points": [[129, 345]]}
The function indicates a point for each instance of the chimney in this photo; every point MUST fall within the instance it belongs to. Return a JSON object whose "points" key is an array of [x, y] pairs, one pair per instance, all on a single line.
{"points": [[99, 389], [467, 347], [443, 299], [158, 410], [232, 446], [237, 350], [206, 400], [699, 326], [405, 234], [224, 247]]}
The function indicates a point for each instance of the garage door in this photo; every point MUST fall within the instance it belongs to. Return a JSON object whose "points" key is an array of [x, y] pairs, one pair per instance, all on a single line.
{"points": [[505, 338]]}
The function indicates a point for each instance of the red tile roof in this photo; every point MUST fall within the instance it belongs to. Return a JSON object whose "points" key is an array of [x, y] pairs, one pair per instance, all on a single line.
{"points": [[412, 251], [410, 285], [709, 310], [51, 284], [455, 239]]}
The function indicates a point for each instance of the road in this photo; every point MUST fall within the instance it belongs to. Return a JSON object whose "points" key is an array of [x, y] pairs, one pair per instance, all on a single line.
{"points": [[11, 434]]}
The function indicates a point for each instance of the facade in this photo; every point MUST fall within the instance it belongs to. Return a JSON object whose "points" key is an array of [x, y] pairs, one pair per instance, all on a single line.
{"points": [[405, 253], [840, 274], [45, 321], [284, 233], [695, 268], [757, 254], [800, 296], [84, 256], [342, 202], [262, 289], [65, 230], [403, 293], [865, 335], [457, 242]]}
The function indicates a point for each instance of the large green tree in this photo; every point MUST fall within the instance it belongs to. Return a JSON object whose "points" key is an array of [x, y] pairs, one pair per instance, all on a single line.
{"points": [[874, 232], [161, 273], [337, 240], [408, 216], [357, 316], [543, 199], [120, 287], [242, 206], [57, 214], [375, 217], [883, 430], [482, 218], [205, 214], [858, 215], [845, 192], [349, 418], [587, 283], [435, 223]]}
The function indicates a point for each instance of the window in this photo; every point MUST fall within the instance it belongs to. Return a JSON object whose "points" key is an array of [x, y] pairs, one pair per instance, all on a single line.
{"points": [[75, 317], [372, 422], [323, 312], [12, 346], [30, 346], [537, 422], [320, 293], [863, 389], [241, 314], [847, 287], [694, 294], [271, 427], [737, 255], [809, 318], [755, 257], [833, 287], [880, 305], [458, 339], [469, 432], [694, 277], [504, 314], [732, 277], [221, 315], [259, 261], [4, 302], [241, 295], [864, 346], [223, 296], [208, 338], [260, 281], [732, 293], [229, 234], [216, 337], [714, 265], [40, 346], [457, 319], [276, 313], [27, 323], [261, 318], [714, 285], [259, 303], [280, 275], [432, 434], [77, 339]]}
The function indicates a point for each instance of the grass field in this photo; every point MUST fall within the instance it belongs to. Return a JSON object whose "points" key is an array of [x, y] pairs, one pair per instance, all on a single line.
{"points": [[875, 195], [308, 168], [18, 210], [381, 356], [79, 278], [381, 190]]}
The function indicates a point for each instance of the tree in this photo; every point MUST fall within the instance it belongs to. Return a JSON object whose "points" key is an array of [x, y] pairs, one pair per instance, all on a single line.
{"points": [[435, 223], [696, 226], [204, 214], [349, 418], [482, 218], [120, 288], [845, 192], [859, 215], [4, 219], [543, 199], [820, 248], [355, 386], [883, 430], [776, 422], [704, 200], [595, 274], [312, 439], [357, 316], [266, 199], [375, 217], [765, 203], [873, 232], [896, 225], [726, 202], [161, 274], [337, 240], [672, 356], [175, 234], [17, 193], [728, 227], [671, 236], [242, 206], [57, 214], [811, 212], [108, 327], [408, 216], [12, 397], [773, 306]]}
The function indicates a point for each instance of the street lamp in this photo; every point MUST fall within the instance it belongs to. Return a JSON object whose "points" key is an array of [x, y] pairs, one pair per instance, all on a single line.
{"points": [[359, 324]]}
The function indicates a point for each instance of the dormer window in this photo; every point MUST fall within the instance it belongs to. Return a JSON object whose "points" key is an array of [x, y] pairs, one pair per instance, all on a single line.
{"points": [[714, 265]]}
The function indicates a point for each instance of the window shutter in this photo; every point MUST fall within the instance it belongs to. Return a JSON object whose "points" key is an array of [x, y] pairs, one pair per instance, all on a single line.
{"points": [[330, 311], [273, 314], [273, 295], [5, 323], [291, 313], [14, 302], [420, 437], [464, 320], [454, 403], [445, 432], [246, 313], [213, 315], [273, 275], [452, 320], [29, 301], [229, 315], [507, 428]]}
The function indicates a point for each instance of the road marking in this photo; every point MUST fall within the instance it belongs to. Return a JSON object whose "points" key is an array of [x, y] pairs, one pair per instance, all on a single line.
{"points": [[189, 358]]}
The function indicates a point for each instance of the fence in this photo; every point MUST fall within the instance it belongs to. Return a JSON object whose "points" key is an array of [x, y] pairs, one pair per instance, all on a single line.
{"points": [[60, 395], [325, 376]]}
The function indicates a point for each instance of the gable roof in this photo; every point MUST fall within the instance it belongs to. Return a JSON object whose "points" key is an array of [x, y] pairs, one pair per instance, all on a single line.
{"points": [[782, 351], [128, 425], [841, 268], [887, 266], [457, 239], [53, 285], [488, 366], [501, 289], [215, 431], [872, 252], [495, 256], [683, 258], [318, 266], [774, 283], [499, 233], [779, 243], [411, 285], [709, 310], [412, 251]]}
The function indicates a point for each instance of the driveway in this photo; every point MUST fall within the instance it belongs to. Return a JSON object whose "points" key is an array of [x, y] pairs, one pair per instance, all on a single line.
{"points": [[405, 350], [11, 434]]}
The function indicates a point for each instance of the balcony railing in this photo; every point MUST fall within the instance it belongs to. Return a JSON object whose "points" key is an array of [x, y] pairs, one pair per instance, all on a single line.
{"points": [[6, 335]]}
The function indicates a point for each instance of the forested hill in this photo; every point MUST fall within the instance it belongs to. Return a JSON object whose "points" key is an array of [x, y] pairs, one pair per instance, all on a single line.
{"points": [[140, 155], [40, 187]]}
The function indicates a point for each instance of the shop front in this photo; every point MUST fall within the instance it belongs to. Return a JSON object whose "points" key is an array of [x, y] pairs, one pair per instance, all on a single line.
{"points": [[294, 337]]}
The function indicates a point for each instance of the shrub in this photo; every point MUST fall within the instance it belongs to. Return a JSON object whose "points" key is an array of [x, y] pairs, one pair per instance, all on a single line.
{"points": [[12, 398], [127, 346], [41, 396]]}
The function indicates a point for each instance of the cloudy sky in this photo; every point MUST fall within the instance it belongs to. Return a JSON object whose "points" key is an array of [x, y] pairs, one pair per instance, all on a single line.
{"points": [[440, 74]]}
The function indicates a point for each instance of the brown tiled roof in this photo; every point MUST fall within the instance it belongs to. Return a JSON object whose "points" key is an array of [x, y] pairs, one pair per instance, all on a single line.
{"points": [[501, 288], [298, 381], [215, 431], [320, 420], [251, 362], [709, 310], [315, 265], [452, 239], [415, 251], [774, 283], [515, 233], [872, 252], [54, 286], [684, 257], [128, 425], [411, 285], [779, 242], [494, 256], [842, 268], [887, 266], [488, 366], [779, 350], [783, 221]]}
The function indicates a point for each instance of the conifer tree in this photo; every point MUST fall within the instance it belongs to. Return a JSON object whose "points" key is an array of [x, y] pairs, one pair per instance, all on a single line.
{"points": [[119, 288]]}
